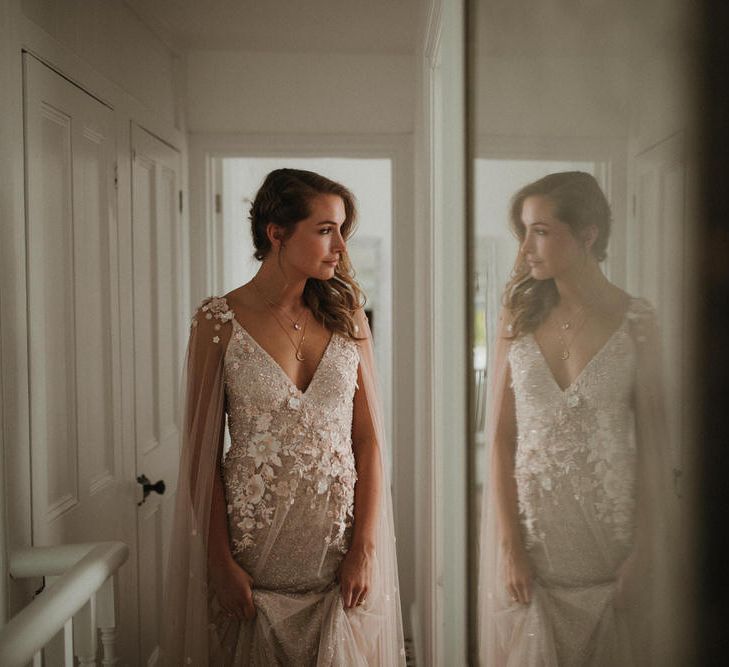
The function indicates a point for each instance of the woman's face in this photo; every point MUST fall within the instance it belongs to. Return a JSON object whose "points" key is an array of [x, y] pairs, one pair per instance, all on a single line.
{"points": [[549, 247], [314, 248]]}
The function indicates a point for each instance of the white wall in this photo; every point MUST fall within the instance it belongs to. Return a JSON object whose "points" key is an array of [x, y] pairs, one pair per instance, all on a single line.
{"points": [[551, 96], [109, 37], [247, 92]]}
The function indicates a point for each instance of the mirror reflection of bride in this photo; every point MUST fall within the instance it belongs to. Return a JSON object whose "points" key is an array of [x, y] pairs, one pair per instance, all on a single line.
{"points": [[575, 433]]}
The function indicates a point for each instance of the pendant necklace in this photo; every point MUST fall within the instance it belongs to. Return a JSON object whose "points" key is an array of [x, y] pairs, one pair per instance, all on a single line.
{"points": [[294, 322], [297, 346], [567, 325]]}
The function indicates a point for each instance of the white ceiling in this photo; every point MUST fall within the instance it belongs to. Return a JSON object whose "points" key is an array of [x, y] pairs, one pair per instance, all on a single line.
{"points": [[293, 26]]}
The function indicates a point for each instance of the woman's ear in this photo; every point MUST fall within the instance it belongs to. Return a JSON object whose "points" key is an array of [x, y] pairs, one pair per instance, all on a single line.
{"points": [[275, 234], [589, 236]]}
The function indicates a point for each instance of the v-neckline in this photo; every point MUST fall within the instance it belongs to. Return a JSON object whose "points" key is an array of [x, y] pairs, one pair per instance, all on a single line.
{"points": [[278, 366], [589, 363]]}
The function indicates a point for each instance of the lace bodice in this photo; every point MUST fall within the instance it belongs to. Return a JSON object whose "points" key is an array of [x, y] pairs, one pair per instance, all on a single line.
{"points": [[576, 452], [287, 442], [289, 473]]}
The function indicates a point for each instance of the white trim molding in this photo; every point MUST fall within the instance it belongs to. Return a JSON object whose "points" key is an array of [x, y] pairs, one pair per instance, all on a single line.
{"points": [[440, 335]]}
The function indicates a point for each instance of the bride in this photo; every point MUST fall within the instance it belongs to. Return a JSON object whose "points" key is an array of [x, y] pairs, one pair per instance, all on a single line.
{"points": [[283, 549], [570, 516]]}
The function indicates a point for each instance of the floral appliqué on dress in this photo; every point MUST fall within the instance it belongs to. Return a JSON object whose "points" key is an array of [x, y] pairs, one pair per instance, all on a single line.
{"points": [[288, 447], [576, 447]]}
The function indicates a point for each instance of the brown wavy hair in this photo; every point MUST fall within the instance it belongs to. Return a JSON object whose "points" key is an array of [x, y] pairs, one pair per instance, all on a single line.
{"points": [[578, 202], [284, 199]]}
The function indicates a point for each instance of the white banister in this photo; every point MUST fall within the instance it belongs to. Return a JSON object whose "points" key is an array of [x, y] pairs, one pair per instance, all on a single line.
{"points": [[84, 569]]}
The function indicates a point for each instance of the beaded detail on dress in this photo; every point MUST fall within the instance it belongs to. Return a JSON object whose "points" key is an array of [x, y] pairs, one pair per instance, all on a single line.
{"points": [[288, 446], [576, 450]]}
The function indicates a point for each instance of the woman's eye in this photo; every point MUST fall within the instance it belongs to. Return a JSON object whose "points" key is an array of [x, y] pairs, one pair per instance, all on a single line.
{"points": [[326, 230]]}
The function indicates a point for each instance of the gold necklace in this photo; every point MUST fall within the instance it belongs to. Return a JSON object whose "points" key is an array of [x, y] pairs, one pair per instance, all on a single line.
{"points": [[294, 323], [297, 347], [566, 325]]}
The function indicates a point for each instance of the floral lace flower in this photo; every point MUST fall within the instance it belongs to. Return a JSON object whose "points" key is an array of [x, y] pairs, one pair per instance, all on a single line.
{"points": [[218, 308], [264, 448], [254, 489]]}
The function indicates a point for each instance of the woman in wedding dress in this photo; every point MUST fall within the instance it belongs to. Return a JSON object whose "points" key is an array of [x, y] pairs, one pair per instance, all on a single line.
{"points": [[570, 515], [283, 549]]}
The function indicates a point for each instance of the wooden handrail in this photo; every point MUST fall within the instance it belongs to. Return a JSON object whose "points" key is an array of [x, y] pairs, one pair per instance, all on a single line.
{"points": [[83, 568]]}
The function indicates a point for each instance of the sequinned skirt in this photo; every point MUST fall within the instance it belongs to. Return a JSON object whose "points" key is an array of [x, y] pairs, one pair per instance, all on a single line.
{"points": [[300, 618]]}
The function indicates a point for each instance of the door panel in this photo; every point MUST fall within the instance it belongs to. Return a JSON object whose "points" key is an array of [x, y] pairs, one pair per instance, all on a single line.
{"points": [[51, 287], [157, 262], [663, 207]]}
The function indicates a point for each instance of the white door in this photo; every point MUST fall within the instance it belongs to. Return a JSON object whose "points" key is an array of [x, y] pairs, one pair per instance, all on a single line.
{"points": [[663, 213], [157, 361], [79, 492], [661, 207]]}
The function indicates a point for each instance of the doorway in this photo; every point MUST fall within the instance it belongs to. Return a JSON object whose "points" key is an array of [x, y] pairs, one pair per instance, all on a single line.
{"points": [[369, 248]]}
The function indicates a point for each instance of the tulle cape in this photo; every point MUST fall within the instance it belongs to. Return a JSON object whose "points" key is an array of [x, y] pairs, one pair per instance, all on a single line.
{"points": [[373, 635], [649, 614]]}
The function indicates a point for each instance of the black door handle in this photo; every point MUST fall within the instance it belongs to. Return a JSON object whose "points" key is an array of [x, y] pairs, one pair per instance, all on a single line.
{"points": [[148, 487]]}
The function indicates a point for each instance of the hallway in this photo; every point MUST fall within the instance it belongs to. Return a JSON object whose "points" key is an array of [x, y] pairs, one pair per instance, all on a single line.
{"points": [[118, 119]]}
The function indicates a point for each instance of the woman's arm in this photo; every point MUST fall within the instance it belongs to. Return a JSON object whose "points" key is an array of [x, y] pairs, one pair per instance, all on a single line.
{"points": [[518, 571], [355, 573], [231, 582]]}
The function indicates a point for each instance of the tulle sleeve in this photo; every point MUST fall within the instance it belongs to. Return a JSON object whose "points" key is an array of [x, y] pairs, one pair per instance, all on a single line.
{"points": [[654, 601], [185, 635], [387, 649], [492, 596]]}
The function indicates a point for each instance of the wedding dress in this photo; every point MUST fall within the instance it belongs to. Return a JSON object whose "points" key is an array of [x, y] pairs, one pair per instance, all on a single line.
{"points": [[587, 471], [289, 478]]}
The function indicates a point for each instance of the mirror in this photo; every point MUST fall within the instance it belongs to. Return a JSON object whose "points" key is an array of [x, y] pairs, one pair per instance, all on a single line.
{"points": [[606, 89]]}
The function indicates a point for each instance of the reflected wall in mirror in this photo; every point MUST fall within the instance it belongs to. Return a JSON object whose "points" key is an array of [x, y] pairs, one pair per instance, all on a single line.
{"points": [[601, 88]]}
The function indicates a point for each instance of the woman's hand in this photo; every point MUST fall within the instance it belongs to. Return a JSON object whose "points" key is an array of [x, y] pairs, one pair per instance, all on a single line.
{"points": [[233, 588], [518, 574], [355, 576]]}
